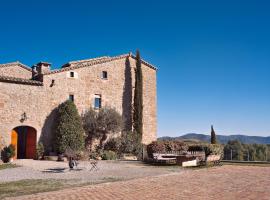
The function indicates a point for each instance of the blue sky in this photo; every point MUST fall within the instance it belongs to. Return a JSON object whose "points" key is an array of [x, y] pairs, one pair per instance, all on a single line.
{"points": [[213, 56]]}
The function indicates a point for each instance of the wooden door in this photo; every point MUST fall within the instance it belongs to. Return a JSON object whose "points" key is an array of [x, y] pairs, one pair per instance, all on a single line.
{"points": [[30, 143], [14, 141]]}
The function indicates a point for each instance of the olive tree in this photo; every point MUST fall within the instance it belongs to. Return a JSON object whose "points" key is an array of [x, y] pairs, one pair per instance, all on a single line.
{"points": [[98, 124]]}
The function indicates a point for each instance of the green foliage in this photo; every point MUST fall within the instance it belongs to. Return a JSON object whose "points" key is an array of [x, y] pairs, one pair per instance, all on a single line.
{"points": [[109, 155], [127, 143], [213, 136], [209, 149], [138, 98], [98, 124], [113, 144], [69, 132], [8, 152], [236, 150], [40, 151], [166, 146], [131, 144]]}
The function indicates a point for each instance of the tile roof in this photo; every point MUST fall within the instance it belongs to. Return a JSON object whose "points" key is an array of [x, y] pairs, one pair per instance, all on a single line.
{"points": [[17, 63], [94, 61], [82, 63], [9, 79]]}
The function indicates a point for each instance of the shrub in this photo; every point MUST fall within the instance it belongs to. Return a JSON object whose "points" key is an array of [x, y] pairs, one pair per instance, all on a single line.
{"points": [[8, 153], [94, 155], [127, 143], [130, 143], [178, 145], [209, 149], [109, 155], [40, 151], [165, 146], [83, 155], [113, 144], [69, 131]]}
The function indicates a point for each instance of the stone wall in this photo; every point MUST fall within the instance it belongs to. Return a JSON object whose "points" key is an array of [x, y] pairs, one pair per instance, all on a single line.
{"points": [[15, 99], [40, 102], [15, 71]]}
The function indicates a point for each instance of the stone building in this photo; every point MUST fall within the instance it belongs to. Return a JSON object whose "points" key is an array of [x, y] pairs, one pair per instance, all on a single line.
{"points": [[30, 96]]}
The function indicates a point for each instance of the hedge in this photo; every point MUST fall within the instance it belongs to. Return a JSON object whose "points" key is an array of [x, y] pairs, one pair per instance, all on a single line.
{"points": [[164, 146]]}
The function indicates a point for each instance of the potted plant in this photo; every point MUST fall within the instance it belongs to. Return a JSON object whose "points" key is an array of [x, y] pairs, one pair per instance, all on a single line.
{"points": [[8, 153]]}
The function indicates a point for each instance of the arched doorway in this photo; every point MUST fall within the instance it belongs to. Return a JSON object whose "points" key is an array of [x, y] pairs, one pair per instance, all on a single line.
{"points": [[24, 139]]}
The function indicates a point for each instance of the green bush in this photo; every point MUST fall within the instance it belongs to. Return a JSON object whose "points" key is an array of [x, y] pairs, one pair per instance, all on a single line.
{"points": [[109, 155], [127, 143], [69, 132], [165, 146], [113, 144], [8, 153], [209, 149], [131, 144], [40, 151]]}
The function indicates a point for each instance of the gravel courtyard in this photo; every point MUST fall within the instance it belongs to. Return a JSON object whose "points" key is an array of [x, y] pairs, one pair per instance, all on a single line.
{"points": [[117, 170], [224, 183]]}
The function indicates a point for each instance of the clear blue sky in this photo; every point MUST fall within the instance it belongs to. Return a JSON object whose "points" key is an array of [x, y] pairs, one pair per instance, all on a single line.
{"points": [[213, 56]]}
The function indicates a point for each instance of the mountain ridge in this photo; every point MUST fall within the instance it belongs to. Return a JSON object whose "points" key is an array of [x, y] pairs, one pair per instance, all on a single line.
{"points": [[222, 138]]}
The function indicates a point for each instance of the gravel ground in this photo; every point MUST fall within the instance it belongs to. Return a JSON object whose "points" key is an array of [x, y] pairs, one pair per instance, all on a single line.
{"points": [[123, 170]]}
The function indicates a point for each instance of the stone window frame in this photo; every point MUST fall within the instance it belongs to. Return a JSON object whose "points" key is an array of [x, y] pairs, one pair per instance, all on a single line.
{"points": [[72, 74], [104, 75], [71, 97], [99, 98]]}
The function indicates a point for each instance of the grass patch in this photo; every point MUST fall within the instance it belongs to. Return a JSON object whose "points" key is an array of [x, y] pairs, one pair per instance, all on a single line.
{"points": [[24, 187], [111, 179], [7, 166], [33, 186]]}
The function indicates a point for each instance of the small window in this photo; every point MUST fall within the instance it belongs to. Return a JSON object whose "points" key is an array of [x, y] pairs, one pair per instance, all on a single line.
{"points": [[97, 103], [71, 74], [71, 97], [104, 75]]}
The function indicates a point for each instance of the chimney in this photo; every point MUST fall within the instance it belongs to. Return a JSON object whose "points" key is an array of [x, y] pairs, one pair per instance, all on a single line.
{"points": [[39, 69], [43, 67]]}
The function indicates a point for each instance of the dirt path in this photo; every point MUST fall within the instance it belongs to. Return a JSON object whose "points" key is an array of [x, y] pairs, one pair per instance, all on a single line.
{"points": [[226, 182]]}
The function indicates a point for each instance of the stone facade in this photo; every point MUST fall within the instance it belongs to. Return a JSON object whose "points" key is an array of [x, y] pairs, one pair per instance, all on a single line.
{"points": [[15, 69], [38, 98]]}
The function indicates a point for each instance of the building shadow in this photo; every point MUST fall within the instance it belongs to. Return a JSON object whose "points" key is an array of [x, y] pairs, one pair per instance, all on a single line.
{"points": [[47, 132]]}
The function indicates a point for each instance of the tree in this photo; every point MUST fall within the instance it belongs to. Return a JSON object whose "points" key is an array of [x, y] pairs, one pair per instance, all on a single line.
{"points": [[213, 136], [69, 133], [98, 124], [138, 98]]}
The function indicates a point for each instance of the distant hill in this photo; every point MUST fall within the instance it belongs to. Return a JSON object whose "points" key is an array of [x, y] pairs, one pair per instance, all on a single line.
{"points": [[222, 138]]}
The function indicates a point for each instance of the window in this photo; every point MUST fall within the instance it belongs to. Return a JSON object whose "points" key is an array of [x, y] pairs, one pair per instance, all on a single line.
{"points": [[71, 97], [104, 75], [71, 74], [97, 103]]}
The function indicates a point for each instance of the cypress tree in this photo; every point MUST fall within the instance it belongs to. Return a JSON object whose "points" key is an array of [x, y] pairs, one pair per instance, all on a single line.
{"points": [[213, 136], [138, 98], [69, 133]]}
